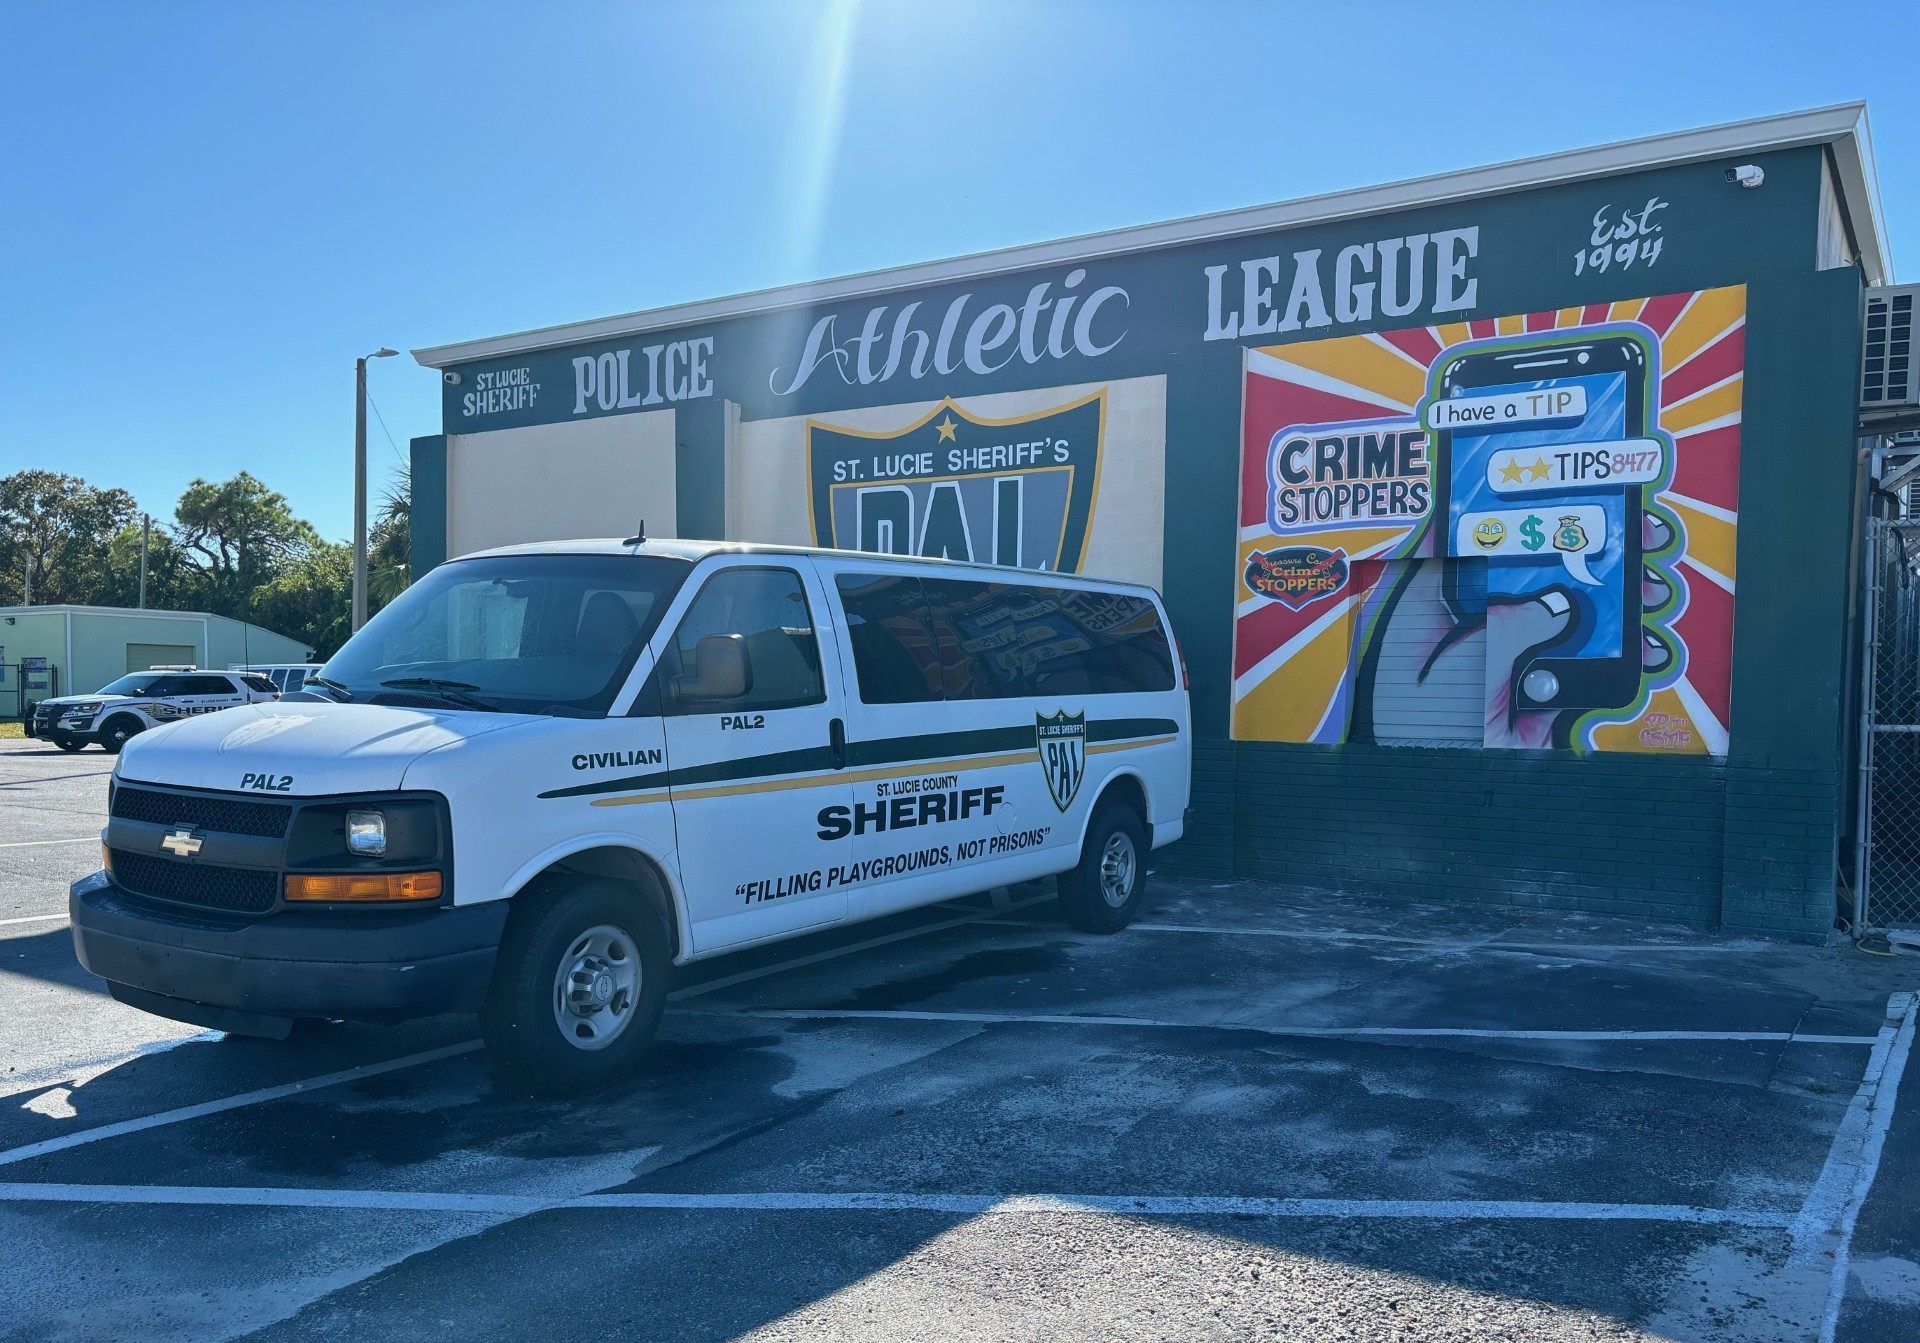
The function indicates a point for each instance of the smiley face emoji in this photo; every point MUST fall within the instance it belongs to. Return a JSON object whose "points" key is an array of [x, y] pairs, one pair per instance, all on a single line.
{"points": [[1488, 533]]}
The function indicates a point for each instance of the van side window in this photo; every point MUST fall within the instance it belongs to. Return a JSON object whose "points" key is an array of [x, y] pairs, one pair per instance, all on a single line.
{"points": [[893, 657], [1010, 641], [747, 642]]}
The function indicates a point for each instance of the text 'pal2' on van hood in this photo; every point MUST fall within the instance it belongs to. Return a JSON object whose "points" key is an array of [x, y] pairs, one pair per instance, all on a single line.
{"points": [[304, 749]]}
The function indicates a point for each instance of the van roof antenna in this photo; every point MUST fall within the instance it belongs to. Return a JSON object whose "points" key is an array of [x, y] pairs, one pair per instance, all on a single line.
{"points": [[639, 538]]}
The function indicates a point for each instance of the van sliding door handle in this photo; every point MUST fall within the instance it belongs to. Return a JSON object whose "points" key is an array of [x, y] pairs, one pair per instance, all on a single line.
{"points": [[837, 742]]}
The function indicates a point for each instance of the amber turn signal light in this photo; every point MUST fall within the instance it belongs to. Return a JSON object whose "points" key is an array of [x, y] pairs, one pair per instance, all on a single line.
{"points": [[366, 886]]}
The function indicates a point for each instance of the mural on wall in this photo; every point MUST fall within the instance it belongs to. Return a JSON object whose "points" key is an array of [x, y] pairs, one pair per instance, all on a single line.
{"points": [[956, 485], [1512, 533]]}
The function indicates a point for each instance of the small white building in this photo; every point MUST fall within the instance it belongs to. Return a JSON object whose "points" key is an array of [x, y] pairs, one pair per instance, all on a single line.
{"points": [[67, 650]]}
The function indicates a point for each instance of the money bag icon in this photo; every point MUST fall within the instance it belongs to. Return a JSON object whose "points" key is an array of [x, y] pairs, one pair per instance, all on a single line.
{"points": [[1570, 535]]}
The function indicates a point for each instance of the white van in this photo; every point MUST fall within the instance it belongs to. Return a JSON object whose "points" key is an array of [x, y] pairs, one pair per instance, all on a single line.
{"points": [[544, 775]]}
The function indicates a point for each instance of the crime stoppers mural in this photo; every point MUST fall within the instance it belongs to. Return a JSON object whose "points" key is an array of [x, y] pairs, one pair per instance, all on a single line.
{"points": [[1511, 533], [954, 485]]}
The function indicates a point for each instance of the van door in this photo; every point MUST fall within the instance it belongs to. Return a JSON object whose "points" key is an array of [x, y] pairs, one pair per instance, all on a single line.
{"points": [[755, 731], [936, 783]]}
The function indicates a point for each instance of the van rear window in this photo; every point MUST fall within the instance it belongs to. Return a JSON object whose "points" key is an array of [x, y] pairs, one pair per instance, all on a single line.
{"points": [[938, 638]]}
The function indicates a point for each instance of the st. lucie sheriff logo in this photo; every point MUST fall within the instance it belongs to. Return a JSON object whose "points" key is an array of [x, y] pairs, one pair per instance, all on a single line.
{"points": [[960, 486], [1062, 738], [1296, 575]]}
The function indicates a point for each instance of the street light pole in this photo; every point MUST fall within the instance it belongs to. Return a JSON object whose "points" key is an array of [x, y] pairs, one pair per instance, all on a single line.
{"points": [[360, 484]]}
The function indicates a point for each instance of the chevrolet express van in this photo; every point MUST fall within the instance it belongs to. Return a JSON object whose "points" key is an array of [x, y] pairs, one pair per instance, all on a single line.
{"points": [[545, 775]]}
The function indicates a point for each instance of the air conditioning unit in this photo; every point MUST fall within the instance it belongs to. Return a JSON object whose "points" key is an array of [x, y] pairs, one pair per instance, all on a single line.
{"points": [[1889, 376]]}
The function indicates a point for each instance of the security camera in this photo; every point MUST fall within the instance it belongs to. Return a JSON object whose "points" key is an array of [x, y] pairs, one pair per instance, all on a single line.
{"points": [[1747, 175], [452, 379]]}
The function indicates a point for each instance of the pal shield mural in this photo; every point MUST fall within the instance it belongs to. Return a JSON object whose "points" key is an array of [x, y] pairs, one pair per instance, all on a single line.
{"points": [[1509, 533], [957, 485]]}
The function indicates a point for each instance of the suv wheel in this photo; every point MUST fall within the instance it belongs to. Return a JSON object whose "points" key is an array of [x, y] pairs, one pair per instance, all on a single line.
{"points": [[117, 732], [579, 986], [1103, 891]]}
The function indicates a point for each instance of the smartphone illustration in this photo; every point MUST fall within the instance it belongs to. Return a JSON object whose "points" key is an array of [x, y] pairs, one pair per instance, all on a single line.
{"points": [[1540, 463]]}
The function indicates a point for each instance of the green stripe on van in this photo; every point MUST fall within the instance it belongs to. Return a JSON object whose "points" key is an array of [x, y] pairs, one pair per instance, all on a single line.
{"points": [[863, 754]]}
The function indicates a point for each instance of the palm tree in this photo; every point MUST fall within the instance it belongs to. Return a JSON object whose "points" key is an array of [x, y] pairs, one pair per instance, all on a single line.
{"points": [[390, 548]]}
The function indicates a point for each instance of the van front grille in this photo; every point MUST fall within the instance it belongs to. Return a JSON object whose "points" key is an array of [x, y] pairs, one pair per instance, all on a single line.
{"points": [[202, 811], [238, 890]]}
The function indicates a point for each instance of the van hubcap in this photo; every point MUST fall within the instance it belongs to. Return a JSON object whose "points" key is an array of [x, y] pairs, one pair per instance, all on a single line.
{"points": [[595, 987], [1117, 863]]}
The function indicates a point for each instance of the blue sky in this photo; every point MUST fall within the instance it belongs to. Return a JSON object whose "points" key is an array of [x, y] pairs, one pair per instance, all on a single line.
{"points": [[209, 210]]}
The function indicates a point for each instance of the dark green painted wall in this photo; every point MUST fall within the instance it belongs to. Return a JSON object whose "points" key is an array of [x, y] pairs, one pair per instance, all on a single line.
{"points": [[427, 526]]}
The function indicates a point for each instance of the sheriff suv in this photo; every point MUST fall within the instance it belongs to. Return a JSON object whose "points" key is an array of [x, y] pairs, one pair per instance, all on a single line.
{"points": [[116, 713]]}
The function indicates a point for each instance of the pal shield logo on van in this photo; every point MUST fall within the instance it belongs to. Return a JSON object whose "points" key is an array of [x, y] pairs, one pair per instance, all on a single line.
{"points": [[1062, 738], [957, 486]]}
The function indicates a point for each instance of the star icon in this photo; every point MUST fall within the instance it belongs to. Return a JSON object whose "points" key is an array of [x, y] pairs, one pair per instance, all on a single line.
{"points": [[946, 428], [1511, 471], [1540, 470]]}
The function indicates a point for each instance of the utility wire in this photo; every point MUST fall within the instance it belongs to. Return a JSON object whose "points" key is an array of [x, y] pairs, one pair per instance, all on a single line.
{"points": [[383, 429]]}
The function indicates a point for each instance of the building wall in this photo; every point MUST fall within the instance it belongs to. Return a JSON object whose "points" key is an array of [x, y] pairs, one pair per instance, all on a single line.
{"points": [[589, 478], [32, 635], [1703, 788], [101, 640], [100, 643]]}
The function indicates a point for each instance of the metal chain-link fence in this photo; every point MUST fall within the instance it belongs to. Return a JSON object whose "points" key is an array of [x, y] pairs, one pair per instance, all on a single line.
{"points": [[1888, 874]]}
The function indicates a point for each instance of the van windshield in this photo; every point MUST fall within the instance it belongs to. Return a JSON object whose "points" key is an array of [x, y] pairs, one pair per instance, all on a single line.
{"points": [[552, 634]]}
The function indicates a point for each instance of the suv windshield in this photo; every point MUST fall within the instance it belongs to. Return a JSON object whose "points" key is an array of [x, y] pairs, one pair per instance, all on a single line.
{"points": [[519, 633], [133, 683]]}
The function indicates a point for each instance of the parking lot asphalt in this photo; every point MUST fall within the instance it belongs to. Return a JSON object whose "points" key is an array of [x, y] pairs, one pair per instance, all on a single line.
{"points": [[1259, 1113]]}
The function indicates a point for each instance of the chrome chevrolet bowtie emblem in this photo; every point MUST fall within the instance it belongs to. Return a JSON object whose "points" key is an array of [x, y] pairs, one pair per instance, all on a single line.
{"points": [[182, 843]]}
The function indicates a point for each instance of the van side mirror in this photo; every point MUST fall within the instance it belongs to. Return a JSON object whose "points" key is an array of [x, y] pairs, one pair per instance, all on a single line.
{"points": [[721, 669]]}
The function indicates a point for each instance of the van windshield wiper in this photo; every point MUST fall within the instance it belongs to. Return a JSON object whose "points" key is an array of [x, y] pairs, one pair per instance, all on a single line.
{"points": [[453, 692], [345, 694]]}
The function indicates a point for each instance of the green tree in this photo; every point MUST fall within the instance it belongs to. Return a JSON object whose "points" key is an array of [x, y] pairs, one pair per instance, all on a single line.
{"points": [[390, 542], [237, 536], [57, 528], [167, 572], [310, 599]]}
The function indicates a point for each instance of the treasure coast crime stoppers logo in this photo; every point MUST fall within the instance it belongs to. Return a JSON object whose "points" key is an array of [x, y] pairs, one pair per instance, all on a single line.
{"points": [[1062, 738], [958, 486], [1296, 575]]}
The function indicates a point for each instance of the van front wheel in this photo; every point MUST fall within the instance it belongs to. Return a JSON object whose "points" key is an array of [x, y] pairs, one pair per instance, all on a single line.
{"points": [[1103, 891], [578, 988]]}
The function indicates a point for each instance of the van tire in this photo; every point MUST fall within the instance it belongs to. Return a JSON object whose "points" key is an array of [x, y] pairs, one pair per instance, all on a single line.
{"points": [[117, 732], [605, 931], [1103, 891]]}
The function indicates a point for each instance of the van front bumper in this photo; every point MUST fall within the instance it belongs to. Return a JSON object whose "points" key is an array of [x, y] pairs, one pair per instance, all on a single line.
{"points": [[255, 976]]}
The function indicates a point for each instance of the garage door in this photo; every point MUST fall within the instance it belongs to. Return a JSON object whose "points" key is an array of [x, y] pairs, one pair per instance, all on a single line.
{"points": [[142, 656]]}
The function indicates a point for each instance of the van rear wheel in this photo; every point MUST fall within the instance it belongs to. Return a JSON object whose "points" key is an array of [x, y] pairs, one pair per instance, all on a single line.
{"points": [[578, 988], [1103, 891]]}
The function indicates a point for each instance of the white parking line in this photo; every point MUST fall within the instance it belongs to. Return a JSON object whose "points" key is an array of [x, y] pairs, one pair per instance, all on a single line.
{"points": [[1337, 1032], [35, 918], [266, 1094], [70, 1140], [29, 843], [971, 1205], [1832, 1207]]}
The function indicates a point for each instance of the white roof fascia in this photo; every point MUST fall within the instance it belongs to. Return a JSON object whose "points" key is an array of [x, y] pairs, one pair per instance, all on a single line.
{"points": [[1842, 125], [1860, 196]]}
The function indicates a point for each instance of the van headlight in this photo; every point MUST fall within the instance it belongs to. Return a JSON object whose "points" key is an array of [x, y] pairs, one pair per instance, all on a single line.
{"points": [[367, 833]]}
